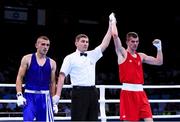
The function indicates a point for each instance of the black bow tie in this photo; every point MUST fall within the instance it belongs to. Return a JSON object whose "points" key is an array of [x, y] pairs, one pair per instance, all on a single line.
{"points": [[83, 54]]}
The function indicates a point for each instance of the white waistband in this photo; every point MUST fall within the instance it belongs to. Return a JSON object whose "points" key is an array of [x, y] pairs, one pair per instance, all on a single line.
{"points": [[132, 87], [37, 92]]}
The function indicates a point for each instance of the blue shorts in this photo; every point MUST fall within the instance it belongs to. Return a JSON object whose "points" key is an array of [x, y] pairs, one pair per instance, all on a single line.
{"points": [[38, 107]]}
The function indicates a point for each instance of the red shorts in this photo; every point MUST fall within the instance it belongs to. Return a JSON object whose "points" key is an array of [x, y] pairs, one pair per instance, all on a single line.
{"points": [[134, 105]]}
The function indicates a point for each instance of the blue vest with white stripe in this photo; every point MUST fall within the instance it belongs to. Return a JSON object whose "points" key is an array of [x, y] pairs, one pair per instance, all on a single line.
{"points": [[38, 77]]}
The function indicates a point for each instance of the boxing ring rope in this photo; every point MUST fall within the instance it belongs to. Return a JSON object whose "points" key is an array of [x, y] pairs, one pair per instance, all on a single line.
{"points": [[103, 101]]}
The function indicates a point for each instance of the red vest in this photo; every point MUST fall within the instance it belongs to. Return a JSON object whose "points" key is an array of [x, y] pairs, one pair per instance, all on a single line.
{"points": [[131, 70]]}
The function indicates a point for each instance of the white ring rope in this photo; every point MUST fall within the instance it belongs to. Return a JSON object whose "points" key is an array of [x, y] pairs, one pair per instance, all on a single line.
{"points": [[103, 101], [106, 101]]}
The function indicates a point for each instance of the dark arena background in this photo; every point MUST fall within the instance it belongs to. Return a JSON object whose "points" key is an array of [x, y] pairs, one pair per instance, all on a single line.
{"points": [[22, 21]]}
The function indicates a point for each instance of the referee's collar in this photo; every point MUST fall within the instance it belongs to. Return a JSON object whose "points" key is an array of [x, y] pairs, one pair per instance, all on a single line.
{"points": [[78, 52]]}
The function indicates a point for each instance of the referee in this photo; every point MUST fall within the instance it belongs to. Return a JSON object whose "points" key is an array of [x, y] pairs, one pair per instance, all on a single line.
{"points": [[81, 67]]}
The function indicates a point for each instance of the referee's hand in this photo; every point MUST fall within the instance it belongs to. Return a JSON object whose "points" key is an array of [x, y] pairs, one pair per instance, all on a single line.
{"points": [[55, 99]]}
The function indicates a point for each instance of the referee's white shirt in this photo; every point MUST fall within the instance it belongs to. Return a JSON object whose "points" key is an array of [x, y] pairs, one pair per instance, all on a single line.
{"points": [[81, 68]]}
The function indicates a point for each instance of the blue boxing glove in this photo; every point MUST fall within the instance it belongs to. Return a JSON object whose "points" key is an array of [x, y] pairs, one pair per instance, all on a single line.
{"points": [[21, 101], [55, 108], [55, 100]]}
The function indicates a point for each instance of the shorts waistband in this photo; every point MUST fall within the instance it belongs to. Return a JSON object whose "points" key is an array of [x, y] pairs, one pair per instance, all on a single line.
{"points": [[37, 92], [132, 87]]}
